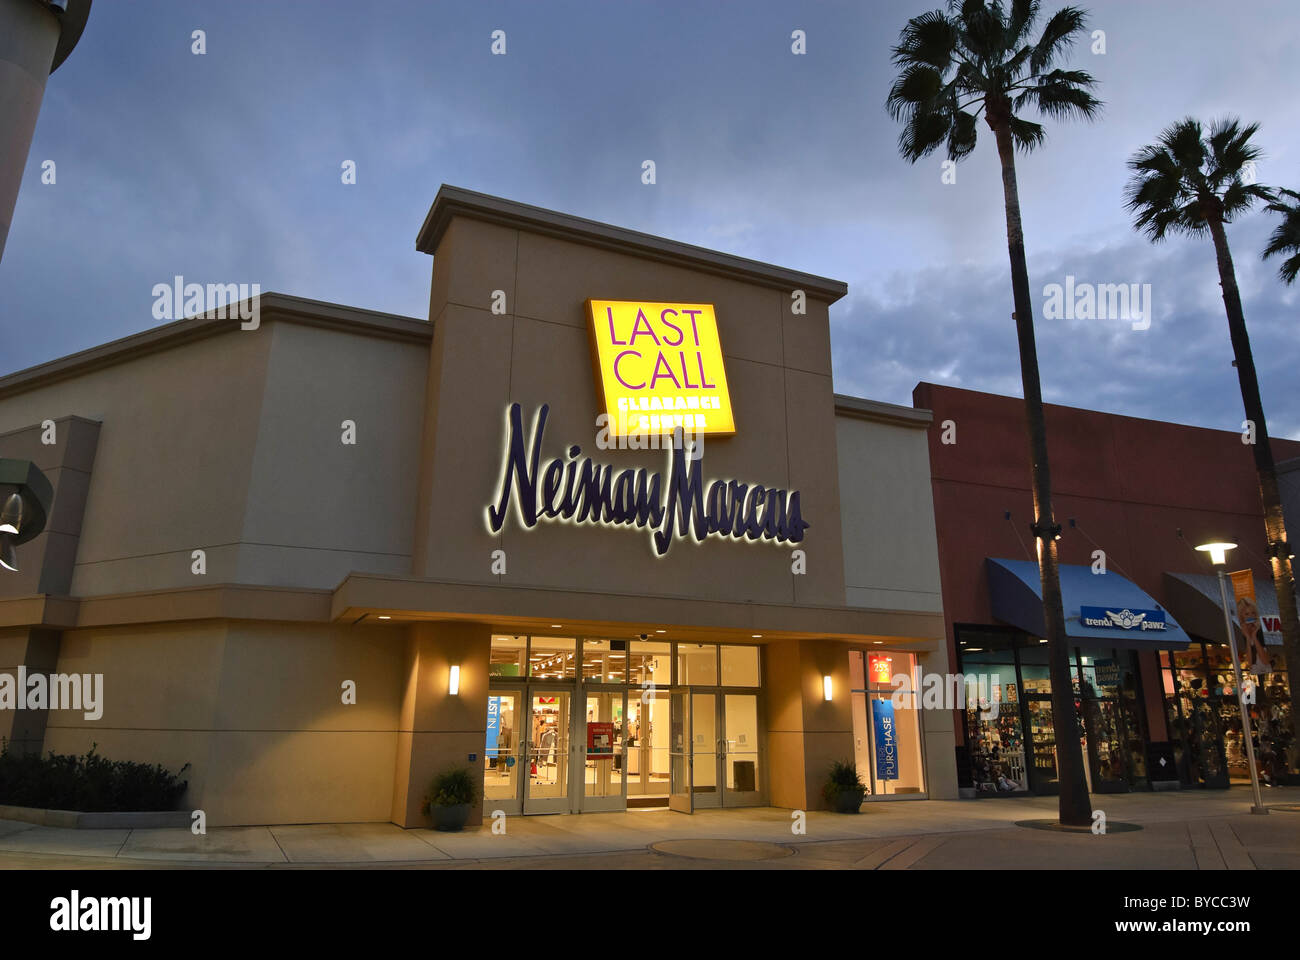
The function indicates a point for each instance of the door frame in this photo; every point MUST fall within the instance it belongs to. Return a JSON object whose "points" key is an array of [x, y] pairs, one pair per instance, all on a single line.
{"points": [[510, 806], [563, 803], [578, 775], [742, 798], [689, 800]]}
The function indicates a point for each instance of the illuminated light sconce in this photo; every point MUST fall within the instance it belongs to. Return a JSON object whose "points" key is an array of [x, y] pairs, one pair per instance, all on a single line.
{"points": [[453, 683], [25, 497], [11, 514], [826, 686]]}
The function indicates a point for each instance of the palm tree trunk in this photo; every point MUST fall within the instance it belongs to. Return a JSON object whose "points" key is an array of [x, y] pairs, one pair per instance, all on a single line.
{"points": [[1274, 522], [1075, 805]]}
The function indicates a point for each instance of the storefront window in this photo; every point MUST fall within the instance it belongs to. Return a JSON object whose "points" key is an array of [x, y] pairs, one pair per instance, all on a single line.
{"points": [[649, 662], [1194, 719], [886, 736], [604, 661], [552, 658], [1221, 686], [1116, 747], [501, 752], [740, 666], [994, 737], [507, 658], [697, 664], [1272, 718]]}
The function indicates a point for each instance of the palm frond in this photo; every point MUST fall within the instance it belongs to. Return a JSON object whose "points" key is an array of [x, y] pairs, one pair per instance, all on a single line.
{"points": [[1285, 238], [928, 40], [1020, 21], [1062, 94], [1187, 179], [1059, 34], [1026, 134], [979, 57]]}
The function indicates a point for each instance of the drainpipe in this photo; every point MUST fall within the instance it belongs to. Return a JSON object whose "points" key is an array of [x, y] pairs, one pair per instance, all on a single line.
{"points": [[35, 37]]}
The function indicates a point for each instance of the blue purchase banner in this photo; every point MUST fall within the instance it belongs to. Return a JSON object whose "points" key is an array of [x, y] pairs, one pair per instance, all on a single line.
{"points": [[493, 726], [1122, 618], [882, 715]]}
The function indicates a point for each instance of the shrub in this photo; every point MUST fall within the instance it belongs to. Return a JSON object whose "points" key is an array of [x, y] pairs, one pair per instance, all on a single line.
{"points": [[842, 777], [452, 788], [88, 784]]}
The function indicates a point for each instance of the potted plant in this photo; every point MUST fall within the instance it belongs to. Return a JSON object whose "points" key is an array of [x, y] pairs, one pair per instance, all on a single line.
{"points": [[844, 789], [451, 795]]}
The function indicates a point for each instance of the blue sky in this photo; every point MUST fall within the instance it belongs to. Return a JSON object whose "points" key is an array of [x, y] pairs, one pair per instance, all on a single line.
{"points": [[225, 168]]}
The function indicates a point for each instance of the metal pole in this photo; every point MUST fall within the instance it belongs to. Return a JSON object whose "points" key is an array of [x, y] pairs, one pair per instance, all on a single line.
{"points": [[1241, 698]]}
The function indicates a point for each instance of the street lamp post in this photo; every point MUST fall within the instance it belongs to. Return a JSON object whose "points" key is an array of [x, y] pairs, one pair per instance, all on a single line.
{"points": [[1218, 555]]}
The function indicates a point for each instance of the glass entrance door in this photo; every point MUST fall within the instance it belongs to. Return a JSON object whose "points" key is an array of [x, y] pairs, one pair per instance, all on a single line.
{"points": [[548, 751], [716, 761], [680, 796], [503, 753], [647, 748], [1043, 777], [603, 750], [740, 759], [705, 751]]}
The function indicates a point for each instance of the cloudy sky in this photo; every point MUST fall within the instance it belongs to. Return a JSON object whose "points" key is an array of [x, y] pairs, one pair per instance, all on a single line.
{"points": [[225, 167]]}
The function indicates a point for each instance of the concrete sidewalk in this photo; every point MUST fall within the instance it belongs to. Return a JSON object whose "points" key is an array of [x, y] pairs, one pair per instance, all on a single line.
{"points": [[1182, 830]]}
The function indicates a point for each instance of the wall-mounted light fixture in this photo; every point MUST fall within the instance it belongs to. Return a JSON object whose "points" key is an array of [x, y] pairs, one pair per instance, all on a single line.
{"points": [[25, 497], [453, 683], [826, 686]]}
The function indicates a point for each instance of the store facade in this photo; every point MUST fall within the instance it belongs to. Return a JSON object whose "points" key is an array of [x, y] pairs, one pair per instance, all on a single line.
{"points": [[1150, 667], [325, 554]]}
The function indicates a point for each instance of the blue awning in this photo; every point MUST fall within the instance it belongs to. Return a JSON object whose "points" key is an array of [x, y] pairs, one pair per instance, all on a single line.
{"points": [[1196, 598], [1107, 608]]}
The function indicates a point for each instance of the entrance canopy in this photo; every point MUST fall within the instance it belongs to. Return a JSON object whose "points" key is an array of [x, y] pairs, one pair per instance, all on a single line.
{"points": [[1195, 596], [1098, 607]]}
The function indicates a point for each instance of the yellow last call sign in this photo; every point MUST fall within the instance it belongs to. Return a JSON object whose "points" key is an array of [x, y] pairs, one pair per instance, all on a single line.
{"points": [[660, 366]]}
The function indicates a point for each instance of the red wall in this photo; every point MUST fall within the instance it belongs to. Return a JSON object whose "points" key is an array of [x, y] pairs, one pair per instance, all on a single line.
{"points": [[1129, 483]]}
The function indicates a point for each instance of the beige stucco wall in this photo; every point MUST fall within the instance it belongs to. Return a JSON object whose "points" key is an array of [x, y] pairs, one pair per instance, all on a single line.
{"points": [[778, 370], [171, 469], [256, 710], [440, 731], [211, 444], [360, 511], [891, 552]]}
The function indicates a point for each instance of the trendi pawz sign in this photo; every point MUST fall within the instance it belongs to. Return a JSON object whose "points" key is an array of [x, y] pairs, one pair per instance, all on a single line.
{"points": [[575, 489], [659, 367], [1122, 619]]}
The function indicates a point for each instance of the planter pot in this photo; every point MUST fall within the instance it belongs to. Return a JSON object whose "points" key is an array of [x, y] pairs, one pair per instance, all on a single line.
{"points": [[450, 818], [849, 801]]}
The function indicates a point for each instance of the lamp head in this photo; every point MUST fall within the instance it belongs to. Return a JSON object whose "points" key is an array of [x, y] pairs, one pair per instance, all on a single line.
{"points": [[1218, 550], [25, 497]]}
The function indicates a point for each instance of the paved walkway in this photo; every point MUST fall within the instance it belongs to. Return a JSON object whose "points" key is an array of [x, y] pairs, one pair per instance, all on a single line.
{"points": [[1207, 830]]}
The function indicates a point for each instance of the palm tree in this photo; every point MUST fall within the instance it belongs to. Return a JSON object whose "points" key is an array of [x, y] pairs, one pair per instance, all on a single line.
{"points": [[1192, 184], [1285, 240], [1286, 237], [979, 57]]}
